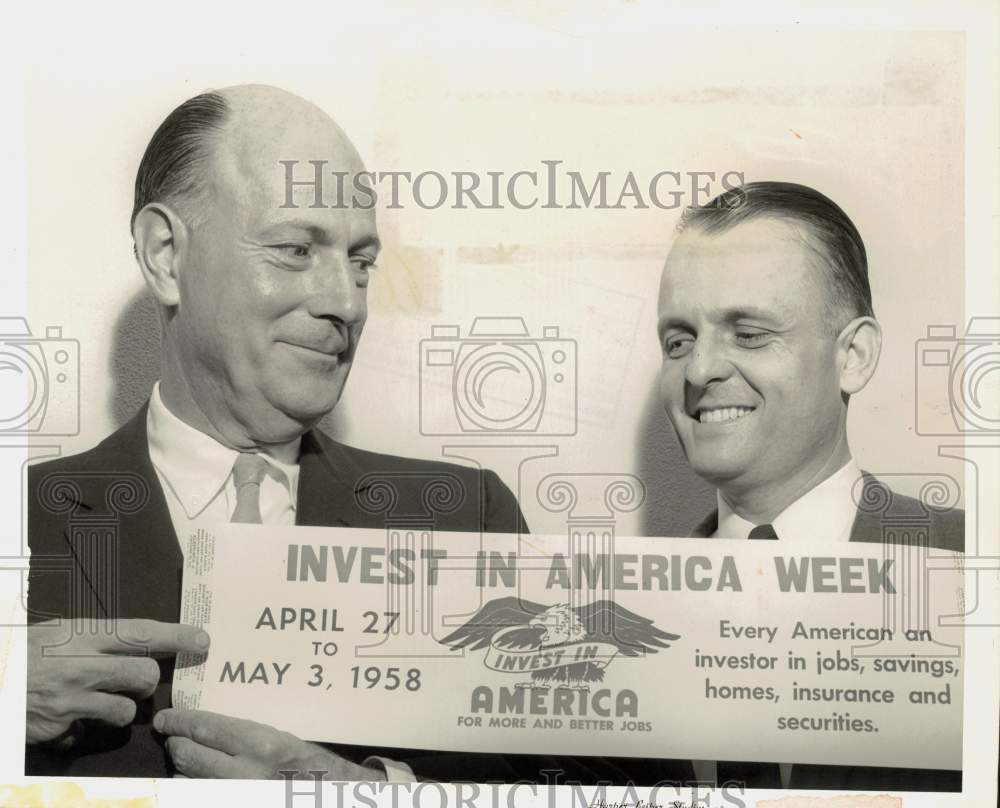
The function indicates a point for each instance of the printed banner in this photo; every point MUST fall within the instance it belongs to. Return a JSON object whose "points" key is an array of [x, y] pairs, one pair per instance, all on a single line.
{"points": [[672, 648]]}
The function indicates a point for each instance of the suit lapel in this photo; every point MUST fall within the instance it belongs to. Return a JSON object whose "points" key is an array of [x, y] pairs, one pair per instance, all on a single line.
{"points": [[328, 477], [707, 526], [123, 501], [142, 578], [867, 525]]}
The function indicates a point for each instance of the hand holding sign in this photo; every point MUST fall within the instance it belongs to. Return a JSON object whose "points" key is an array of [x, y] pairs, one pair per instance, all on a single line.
{"points": [[75, 673], [204, 744]]}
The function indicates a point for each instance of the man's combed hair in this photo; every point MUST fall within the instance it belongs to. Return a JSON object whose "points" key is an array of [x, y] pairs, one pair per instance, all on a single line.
{"points": [[172, 168], [833, 235]]}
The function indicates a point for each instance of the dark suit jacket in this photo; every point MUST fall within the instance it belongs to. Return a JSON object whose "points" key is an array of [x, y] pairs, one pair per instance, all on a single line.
{"points": [[884, 516], [113, 491]]}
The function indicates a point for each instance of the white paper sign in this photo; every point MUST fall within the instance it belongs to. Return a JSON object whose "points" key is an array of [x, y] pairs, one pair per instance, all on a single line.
{"points": [[672, 648]]}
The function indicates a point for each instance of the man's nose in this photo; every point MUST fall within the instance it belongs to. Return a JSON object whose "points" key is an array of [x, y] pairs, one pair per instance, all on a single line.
{"points": [[336, 288], [707, 362]]}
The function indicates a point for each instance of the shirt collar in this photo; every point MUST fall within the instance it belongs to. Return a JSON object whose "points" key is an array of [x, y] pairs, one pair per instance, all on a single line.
{"points": [[731, 524], [197, 466], [824, 513]]}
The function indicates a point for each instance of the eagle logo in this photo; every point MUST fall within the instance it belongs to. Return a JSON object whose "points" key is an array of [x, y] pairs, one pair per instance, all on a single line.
{"points": [[561, 646]]}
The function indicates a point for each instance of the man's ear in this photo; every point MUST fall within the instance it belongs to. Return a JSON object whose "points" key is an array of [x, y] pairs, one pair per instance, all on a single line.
{"points": [[858, 349], [160, 244]]}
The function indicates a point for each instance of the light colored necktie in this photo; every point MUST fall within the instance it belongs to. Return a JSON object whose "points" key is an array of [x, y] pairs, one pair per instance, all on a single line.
{"points": [[248, 471]]}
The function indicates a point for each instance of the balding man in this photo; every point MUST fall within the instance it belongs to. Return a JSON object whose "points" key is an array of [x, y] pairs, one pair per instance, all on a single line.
{"points": [[261, 306]]}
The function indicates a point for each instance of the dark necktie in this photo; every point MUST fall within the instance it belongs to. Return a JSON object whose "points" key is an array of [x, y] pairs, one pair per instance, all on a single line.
{"points": [[763, 532]]}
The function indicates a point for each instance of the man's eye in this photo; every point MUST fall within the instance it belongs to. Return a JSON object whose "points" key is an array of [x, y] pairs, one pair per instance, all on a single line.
{"points": [[364, 262], [678, 345], [751, 339], [293, 250]]}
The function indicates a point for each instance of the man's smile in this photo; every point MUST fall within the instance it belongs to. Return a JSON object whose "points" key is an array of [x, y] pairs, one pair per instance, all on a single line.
{"points": [[720, 415], [714, 409], [317, 353], [324, 341]]}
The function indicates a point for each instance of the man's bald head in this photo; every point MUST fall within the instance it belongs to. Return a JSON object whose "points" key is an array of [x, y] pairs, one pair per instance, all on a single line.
{"points": [[246, 126], [262, 303]]}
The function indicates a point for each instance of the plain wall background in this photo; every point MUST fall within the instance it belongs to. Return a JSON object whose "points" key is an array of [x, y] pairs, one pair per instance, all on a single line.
{"points": [[881, 133]]}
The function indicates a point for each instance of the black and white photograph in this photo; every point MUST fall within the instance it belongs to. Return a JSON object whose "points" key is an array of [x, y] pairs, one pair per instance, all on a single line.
{"points": [[594, 404]]}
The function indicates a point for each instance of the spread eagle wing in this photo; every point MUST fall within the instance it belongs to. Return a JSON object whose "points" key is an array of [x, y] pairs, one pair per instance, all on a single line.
{"points": [[606, 621], [499, 614]]}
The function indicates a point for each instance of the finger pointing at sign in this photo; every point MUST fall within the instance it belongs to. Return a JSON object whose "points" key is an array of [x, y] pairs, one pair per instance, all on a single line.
{"points": [[75, 672]]}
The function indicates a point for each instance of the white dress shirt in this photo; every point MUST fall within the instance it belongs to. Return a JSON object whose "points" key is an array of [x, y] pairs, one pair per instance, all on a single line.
{"points": [[196, 474], [825, 513]]}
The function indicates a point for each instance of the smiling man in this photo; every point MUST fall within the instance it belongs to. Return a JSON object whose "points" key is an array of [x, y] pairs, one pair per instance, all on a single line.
{"points": [[767, 329], [261, 309]]}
